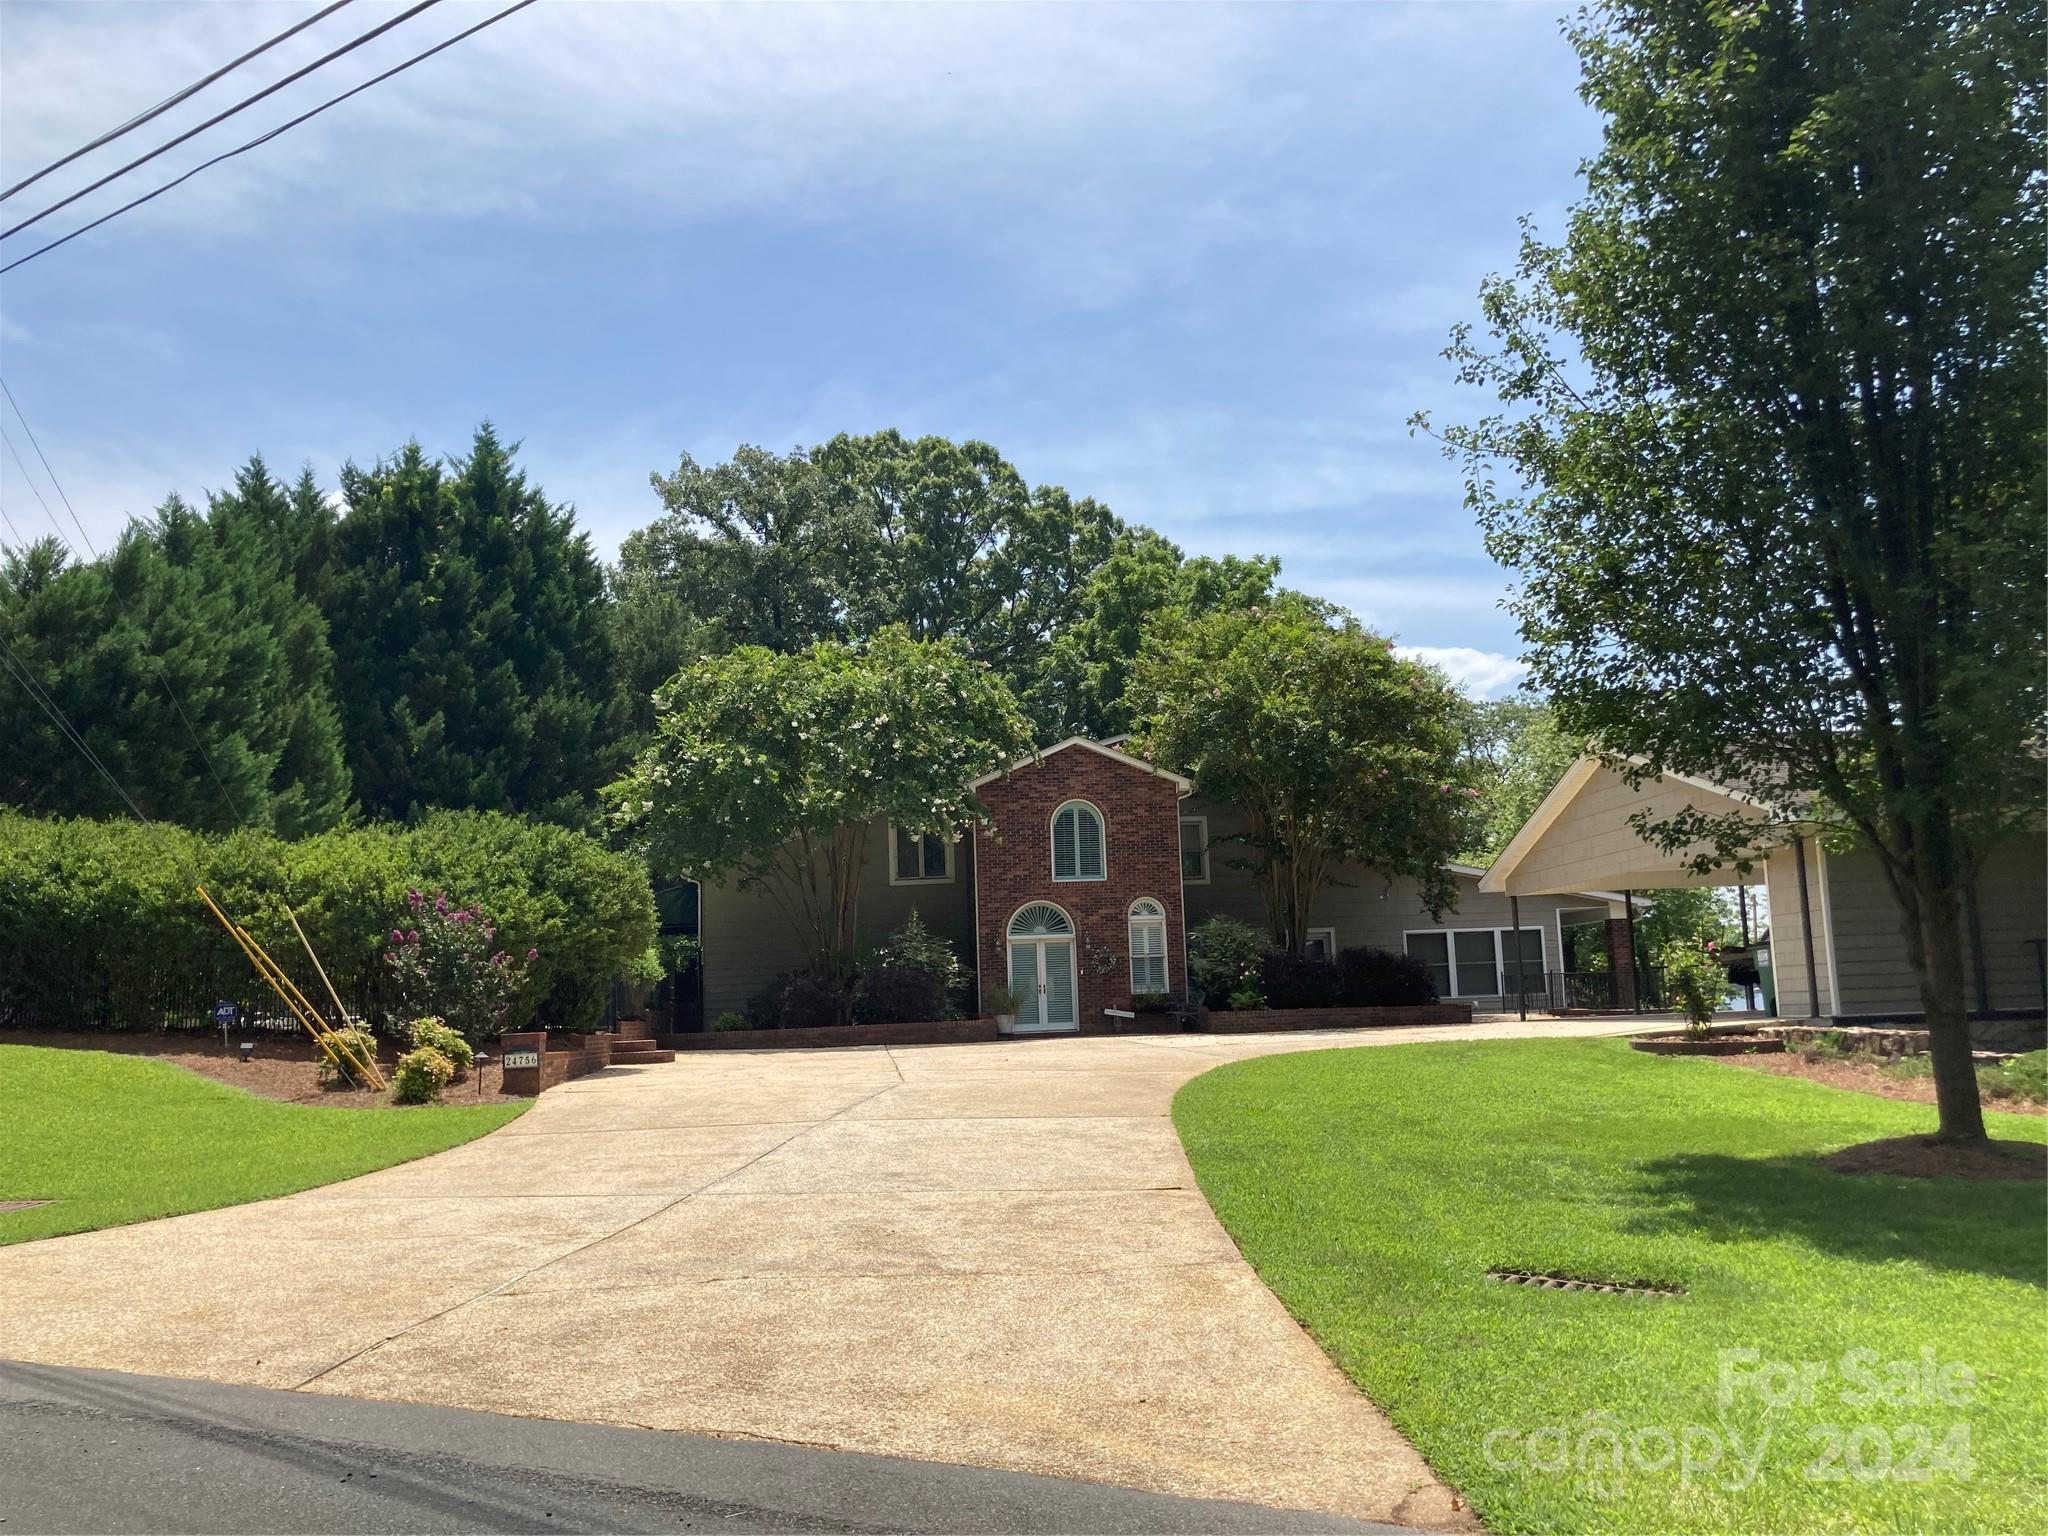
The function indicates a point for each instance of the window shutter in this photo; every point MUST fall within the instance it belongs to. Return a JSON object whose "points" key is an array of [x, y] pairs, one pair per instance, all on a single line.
{"points": [[1063, 842], [1090, 855]]}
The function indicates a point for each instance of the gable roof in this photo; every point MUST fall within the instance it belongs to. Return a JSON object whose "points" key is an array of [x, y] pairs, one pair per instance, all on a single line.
{"points": [[1185, 786], [1558, 801]]}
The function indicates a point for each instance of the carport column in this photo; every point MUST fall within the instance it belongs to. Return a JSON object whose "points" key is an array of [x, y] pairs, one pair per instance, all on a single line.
{"points": [[1621, 953]]}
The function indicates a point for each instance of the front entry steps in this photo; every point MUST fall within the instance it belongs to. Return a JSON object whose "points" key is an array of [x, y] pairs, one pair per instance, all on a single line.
{"points": [[634, 1045]]}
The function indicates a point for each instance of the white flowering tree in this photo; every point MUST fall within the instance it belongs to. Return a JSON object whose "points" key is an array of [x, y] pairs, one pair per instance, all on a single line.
{"points": [[767, 768]]}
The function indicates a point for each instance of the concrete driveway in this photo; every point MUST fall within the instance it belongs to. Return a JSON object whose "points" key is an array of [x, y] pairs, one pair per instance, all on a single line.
{"points": [[986, 1254]]}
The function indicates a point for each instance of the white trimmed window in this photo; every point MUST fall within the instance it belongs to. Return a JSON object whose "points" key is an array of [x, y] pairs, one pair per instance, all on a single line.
{"points": [[1477, 962], [1148, 946], [917, 860], [1077, 842], [1321, 944], [1194, 850]]}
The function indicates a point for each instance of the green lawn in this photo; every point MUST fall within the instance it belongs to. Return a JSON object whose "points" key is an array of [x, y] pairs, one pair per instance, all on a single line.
{"points": [[1373, 1189], [114, 1139]]}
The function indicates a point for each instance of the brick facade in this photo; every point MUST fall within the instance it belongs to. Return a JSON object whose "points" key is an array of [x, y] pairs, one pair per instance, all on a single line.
{"points": [[1141, 840]]}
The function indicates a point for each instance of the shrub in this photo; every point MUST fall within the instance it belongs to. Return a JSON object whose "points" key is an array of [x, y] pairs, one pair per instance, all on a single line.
{"points": [[449, 1042], [100, 927], [2021, 1077], [730, 1020], [449, 958], [421, 1076], [1223, 958], [798, 1000], [1150, 1002], [1382, 978], [915, 947], [1694, 982], [1247, 997], [898, 994], [356, 1042], [1297, 981]]}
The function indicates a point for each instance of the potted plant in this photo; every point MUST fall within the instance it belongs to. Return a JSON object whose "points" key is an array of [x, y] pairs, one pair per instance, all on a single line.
{"points": [[1002, 1001]]}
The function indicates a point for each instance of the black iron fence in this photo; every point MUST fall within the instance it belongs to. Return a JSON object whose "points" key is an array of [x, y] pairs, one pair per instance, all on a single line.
{"points": [[1585, 991], [93, 990]]}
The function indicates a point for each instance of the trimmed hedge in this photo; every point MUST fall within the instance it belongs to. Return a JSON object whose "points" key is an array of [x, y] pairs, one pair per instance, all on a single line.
{"points": [[100, 926]]}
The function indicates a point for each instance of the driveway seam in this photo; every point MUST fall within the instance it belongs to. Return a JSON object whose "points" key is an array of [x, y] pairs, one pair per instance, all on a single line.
{"points": [[505, 1285]]}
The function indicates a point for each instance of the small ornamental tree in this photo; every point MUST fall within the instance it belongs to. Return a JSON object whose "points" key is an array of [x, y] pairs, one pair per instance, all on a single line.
{"points": [[769, 768], [1336, 749], [448, 963]]}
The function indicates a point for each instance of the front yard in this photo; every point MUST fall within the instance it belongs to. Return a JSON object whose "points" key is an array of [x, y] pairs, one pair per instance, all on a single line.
{"points": [[110, 1139], [1850, 1353]]}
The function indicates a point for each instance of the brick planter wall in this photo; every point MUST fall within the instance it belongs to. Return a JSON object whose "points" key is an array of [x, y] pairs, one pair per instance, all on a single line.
{"points": [[1252, 1021], [592, 1054], [939, 1032], [1141, 842]]}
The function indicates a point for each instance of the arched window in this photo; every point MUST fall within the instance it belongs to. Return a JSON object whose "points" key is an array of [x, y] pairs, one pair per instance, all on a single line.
{"points": [[1039, 919], [1077, 842], [1148, 946]]}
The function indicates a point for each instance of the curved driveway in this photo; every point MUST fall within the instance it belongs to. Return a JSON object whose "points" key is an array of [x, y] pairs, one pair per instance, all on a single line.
{"points": [[990, 1254]]}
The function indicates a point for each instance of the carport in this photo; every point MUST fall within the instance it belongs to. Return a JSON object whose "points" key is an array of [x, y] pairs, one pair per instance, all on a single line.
{"points": [[1582, 838]]}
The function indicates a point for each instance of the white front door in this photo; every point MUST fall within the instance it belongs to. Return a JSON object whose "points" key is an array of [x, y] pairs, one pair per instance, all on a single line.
{"points": [[1042, 971]]}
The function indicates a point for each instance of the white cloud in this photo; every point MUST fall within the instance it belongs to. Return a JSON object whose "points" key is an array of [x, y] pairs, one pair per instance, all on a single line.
{"points": [[1480, 673]]}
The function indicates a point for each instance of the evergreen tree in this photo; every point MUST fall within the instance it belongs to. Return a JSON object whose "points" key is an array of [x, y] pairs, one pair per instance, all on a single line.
{"points": [[474, 656], [189, 664]]}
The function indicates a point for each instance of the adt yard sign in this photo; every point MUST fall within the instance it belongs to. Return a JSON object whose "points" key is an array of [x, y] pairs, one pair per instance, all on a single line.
{"points": [[224, 1016], [512, 1060]]}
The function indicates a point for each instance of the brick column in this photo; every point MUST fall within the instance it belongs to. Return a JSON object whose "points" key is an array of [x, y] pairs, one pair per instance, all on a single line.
{"points": [[524, 1081], [1621, 954]]}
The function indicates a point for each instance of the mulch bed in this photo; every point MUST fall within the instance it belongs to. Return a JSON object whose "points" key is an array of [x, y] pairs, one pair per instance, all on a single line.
{"points": [[1863, 1077], [284, 1066], [1922, 1157]]}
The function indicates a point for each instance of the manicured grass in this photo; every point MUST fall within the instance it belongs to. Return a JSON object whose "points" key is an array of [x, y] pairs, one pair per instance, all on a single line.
{"points": [[1373, 1189], [114, 1139]]}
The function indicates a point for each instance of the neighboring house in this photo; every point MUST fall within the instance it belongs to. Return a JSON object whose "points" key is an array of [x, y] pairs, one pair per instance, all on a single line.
{"points": [[1083, 887], [1837, 947]]}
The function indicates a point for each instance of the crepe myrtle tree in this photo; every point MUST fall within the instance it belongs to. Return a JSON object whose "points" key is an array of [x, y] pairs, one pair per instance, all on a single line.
{"points": [[1769, 459], [767, 768], [1337, 750]]}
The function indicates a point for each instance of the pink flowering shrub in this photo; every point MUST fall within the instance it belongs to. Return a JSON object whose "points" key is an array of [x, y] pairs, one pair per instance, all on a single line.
{"points": [[448, 963]]}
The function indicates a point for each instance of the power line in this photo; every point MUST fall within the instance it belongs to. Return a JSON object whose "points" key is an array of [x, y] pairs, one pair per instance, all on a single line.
{"points": [[220, 117], [33, 487], [417, 58], [31, 431], [50, 707], [171, 101], [163, 675]]}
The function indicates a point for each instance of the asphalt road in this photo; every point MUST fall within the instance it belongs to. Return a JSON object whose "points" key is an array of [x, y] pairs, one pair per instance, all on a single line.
{"points": [[103, 1451]]}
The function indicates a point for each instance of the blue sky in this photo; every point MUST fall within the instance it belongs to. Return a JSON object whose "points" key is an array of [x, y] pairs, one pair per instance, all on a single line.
{"points": [[1197, 262]]}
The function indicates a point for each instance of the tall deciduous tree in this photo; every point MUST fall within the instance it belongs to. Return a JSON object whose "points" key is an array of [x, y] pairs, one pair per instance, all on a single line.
{"points": [[1774, 434], [1078, 688], [1518, 753], [474, 652], [1337, 750], [767, 768], [841, 541]]}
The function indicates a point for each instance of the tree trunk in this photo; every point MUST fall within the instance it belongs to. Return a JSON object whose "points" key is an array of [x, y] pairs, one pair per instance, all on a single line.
{"points": [[1943, 979]]}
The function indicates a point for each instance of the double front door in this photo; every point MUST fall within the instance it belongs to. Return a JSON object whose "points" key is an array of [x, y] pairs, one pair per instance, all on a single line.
{"points": [[1042, 973]]}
